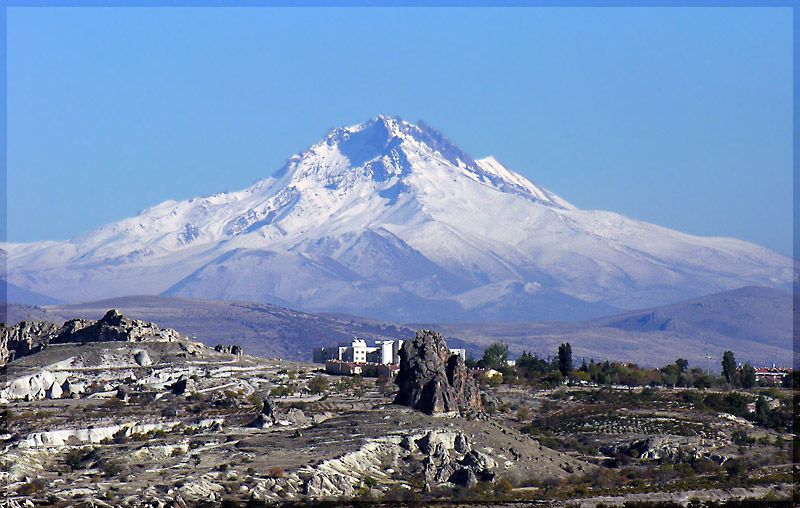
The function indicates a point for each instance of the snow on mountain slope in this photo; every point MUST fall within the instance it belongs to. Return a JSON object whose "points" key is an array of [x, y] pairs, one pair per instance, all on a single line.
{"points": [[390, 219]]}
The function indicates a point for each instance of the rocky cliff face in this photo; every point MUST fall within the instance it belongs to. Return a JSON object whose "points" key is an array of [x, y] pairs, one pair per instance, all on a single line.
{"points": [[24, 338], [433, 380], [28, 337]]}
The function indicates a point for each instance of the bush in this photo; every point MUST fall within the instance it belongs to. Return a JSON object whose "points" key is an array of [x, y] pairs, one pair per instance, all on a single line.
{"points": [[318, 385], [74, 458], [276, 472], [32, 487], [736, 468], [503, 487], [742, 438], [110, 468]]}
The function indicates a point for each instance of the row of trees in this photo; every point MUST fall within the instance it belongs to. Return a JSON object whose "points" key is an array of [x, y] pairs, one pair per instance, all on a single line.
{"points": [[532, 369]]}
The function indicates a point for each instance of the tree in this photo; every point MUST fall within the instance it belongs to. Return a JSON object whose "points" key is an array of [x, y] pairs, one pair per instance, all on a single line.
{"points": [[669, 374], [748, 376], [565, 359], [729, 367], [762, 410], [495, 356], [682, 364]]}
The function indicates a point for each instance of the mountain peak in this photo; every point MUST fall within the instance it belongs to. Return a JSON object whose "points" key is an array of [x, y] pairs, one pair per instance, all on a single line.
{"points": [[387, 147], [392, 219], [379, 132]]}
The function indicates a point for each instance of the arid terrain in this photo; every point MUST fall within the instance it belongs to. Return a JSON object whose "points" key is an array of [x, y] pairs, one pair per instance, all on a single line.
{"points": [[152, 418]]}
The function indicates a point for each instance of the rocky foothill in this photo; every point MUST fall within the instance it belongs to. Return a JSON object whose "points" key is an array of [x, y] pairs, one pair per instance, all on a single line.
{"points": [[26, 338], [433, 380]]}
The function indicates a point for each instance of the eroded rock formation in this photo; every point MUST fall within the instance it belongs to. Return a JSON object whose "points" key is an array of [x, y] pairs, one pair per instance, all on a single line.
{"points": [[28, 337], [114, 327], [433, 380], [24, 338], [233, 349]]}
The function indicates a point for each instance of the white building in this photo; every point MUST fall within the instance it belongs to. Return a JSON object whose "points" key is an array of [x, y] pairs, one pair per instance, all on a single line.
{"points": [[384, 352], [356, 352]]}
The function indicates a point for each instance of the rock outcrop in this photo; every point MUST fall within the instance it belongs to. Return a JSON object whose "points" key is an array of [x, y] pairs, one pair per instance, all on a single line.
{"points": [[233, 349], [38, 385], [142, 359], [24, 338], [433, 380], [114, 327], [184, 386], [28, 337], [670, 448], [266, 418]]}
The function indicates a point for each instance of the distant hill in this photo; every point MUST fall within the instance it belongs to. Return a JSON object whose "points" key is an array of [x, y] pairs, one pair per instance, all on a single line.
{"points": [[754, 322], [16, 294], [758, 314]]}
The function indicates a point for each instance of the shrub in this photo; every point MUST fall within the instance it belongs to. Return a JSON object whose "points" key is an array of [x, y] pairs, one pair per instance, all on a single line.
{"points": [[74, 458], [503, 487], [742, 438], [319, 384], [276, 472], [32, 487], [110, 468]]}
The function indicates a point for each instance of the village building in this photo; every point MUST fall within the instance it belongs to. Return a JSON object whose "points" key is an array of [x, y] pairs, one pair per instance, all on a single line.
{"points": [[357, 358], [772, 375]]}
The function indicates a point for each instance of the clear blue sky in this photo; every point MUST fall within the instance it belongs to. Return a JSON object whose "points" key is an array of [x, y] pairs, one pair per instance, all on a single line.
{"points": [[681, 117]]}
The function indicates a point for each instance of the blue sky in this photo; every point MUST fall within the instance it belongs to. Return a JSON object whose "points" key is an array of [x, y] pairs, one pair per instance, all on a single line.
{"points": [[677, 116]]}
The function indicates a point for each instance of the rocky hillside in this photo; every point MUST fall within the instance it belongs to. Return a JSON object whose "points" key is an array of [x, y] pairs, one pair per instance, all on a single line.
{"points": [[261, 329], [174, 423]]}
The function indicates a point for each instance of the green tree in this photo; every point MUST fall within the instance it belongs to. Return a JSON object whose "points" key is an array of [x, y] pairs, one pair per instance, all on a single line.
{"points": [[565, 359], [495, 356], [748, 376], [682, 364], [762, 410], [729, 367], [669, 374]]}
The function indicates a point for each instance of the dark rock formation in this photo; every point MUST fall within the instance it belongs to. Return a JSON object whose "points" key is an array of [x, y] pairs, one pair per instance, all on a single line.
{"points": [[183, 386], [28, 337], [233, 349], [434, 381], [266, 418]]}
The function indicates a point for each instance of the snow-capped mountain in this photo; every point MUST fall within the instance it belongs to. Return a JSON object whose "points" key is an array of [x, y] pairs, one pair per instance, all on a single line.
{"points": [[390, 219]]}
